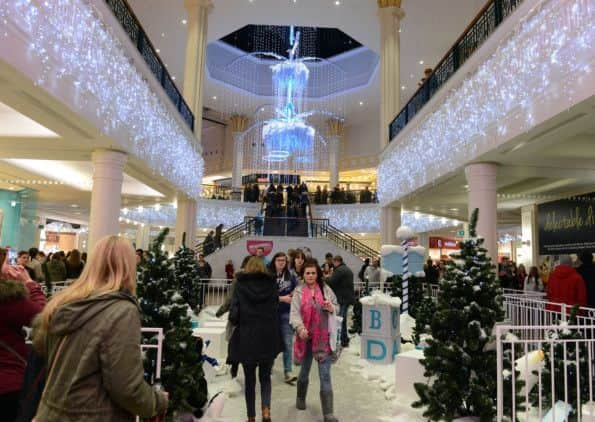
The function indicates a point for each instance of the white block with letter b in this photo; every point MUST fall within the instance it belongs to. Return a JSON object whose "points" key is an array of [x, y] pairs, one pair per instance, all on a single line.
{"points": [[381, 336]]}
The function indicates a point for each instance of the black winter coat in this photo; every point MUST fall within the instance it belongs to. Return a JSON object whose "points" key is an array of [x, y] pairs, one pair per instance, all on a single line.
{"points": [[341, 282], [254, 312]]}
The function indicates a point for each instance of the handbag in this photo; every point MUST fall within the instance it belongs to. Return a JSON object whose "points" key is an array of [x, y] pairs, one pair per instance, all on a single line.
{"points": [[31, 407], [334, 330]]}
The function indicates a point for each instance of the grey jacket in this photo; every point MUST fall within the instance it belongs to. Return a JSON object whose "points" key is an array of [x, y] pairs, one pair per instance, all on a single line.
{"points": [[295, 316]]}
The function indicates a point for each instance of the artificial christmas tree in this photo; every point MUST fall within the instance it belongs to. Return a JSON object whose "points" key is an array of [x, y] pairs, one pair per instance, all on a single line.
{"points": [[564, 362], [186, 272], [462, 372], [416, 291], [163, 305], [356, 320]]}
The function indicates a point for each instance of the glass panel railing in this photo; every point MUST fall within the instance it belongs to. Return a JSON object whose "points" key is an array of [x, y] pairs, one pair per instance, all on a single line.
{"points": [[129, 22], [484, 24]]}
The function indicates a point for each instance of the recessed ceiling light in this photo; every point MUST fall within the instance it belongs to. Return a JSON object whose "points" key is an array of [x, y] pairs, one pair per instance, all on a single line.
{"points": [[400, 30], [454, 209], [337, 3], [157, 50], [163, 35], [412, 76], [421, 62], [166, 65], [74, 206], [403, 87], [214, 97], [173, 78], [361, 103], [184, 21]]}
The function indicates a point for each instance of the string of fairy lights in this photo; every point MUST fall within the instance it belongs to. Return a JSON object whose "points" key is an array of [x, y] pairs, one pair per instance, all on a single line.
{"points": [[554, 42], [71, 41]]}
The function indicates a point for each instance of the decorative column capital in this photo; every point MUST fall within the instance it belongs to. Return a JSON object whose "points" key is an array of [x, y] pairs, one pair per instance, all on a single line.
{"points": [[238, 123], [335, 127], [389, 3], [197, 4], [391, 8]]}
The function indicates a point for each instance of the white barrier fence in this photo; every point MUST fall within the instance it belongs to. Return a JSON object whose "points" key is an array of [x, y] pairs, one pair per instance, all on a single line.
{"points": [[529, 311], [557, 367]]}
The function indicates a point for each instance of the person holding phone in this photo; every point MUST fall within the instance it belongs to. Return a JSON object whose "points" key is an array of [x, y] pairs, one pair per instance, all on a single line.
{"points": [[311, 304], [20, 301], [89, 334]]}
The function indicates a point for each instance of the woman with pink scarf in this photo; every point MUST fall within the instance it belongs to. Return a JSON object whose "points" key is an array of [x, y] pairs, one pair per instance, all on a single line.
{"points": [[311, 304]]}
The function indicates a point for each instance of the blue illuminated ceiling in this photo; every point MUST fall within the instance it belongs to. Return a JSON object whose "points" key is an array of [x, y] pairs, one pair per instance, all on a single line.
{"points": [[344, 64]]}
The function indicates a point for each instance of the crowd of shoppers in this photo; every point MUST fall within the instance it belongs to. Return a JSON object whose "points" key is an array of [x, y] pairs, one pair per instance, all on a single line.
{"points": [[86, 338], [294, 323]]}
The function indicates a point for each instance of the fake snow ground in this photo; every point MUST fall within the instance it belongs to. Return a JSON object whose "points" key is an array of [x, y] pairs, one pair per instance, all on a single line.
{"points": [[360, 393]]}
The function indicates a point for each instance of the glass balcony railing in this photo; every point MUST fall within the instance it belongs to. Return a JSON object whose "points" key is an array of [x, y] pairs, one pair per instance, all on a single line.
{"points": [[139, 38], [484, 24]]}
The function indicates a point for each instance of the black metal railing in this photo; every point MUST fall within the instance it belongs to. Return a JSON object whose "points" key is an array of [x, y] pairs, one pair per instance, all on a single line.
{"points": [[484, 24], [130, 23], [319, 228]]}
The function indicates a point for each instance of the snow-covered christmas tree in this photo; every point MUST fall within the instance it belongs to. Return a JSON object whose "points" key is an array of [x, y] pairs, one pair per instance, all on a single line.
{"points": [[462, 372], [567, 374], [356, 321], [186, 272], [163, 305]]}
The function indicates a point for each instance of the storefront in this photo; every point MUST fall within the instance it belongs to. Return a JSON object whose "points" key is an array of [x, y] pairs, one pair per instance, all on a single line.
{"points": [[443, 247]]}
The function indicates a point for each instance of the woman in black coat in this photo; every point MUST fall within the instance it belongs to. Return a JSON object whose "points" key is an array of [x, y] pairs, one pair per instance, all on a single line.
{"points": [[256, 340]]}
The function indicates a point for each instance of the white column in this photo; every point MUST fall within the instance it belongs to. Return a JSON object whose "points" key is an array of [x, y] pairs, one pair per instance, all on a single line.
{"points": [[237, 124], [238, 161], [335, 133], [390, 221], [333, 160], [185, 222], [481, 178], [391, 15], [196, 45], [106, 196], [142, 236], [529, 251]]}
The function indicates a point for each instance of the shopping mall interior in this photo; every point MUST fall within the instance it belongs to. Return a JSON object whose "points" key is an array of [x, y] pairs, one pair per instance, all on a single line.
{"points": [[365, 129]]}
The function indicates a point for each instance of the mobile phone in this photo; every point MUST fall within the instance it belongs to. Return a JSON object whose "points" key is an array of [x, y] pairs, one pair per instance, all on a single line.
{"points": [[12, 257]]}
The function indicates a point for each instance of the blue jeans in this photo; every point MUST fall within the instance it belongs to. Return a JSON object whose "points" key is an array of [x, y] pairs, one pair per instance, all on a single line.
{"points": [[324, 370], [287, 336], [343, 309]]}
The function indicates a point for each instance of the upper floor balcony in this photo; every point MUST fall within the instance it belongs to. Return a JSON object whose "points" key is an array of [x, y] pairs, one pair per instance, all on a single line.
{"points": [[526, 73], [89, 72]]}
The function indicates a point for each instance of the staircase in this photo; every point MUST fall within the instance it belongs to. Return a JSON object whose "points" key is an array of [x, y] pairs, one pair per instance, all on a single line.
{"points": [[314, 228]]}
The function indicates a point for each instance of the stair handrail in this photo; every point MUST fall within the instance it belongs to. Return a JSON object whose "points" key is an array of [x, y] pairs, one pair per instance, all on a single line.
{"points": [[317, 228], [234, 233], [356, 246]]}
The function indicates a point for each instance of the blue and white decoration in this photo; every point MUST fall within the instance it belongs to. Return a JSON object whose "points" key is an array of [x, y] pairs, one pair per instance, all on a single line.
{"points": [[381, 335]]}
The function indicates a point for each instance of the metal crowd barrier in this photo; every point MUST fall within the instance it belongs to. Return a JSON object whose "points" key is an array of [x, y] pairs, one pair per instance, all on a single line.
{"points": [[559, 388]]}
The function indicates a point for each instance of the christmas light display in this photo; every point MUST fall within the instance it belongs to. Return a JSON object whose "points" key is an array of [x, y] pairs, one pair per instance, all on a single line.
{"points": [[554, 42], [72, 42]]}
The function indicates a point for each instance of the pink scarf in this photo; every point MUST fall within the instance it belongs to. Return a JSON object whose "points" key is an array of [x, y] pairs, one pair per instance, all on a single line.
{"points": [[316, 322]]}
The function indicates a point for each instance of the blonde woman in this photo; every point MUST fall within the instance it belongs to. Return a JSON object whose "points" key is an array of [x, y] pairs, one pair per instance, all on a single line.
{"points": [[90, 334]]}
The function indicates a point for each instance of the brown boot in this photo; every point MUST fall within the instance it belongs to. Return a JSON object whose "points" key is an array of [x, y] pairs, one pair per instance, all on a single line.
{"points": [[266, 414], [251, 418]]}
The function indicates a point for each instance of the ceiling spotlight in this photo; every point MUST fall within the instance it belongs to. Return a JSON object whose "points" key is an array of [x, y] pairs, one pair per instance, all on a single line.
{"points": [[173, 78], [214, 97], [163, 35], [157, 50], [361, 103], [403, 88], [337, 3], [74, 206], [184, 21], [400, 30], [421, 62]]}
